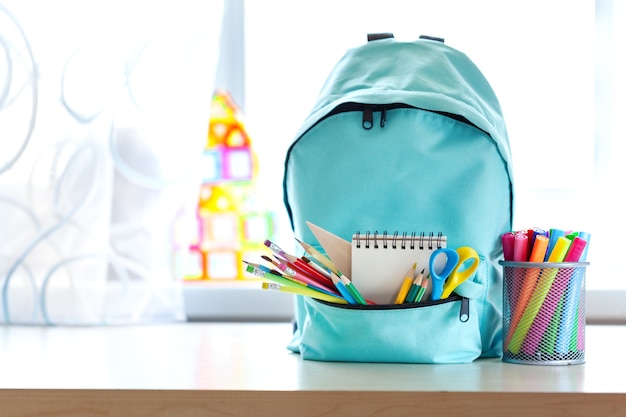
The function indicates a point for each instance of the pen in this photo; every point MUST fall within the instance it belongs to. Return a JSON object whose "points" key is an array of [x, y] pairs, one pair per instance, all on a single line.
{"points": [[303, 291], [406, 285]]}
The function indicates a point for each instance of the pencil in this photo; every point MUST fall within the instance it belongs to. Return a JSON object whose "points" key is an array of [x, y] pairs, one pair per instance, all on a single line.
{"points": [[352, 289], [300, 277], [422, 290], [263, 272], [303, 291], [406, 285], [342, 288], [417, 282], [317, 255]]}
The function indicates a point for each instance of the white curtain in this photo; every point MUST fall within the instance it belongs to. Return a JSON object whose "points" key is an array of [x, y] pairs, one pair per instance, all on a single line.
{"points": [[104, 110]]}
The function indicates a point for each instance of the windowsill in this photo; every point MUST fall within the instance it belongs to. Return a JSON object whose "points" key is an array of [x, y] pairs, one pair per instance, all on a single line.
{"points": [[244, 301]]}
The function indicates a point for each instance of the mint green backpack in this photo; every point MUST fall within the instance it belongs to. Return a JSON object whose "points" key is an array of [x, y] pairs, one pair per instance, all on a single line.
{"points": [[404, 136]]}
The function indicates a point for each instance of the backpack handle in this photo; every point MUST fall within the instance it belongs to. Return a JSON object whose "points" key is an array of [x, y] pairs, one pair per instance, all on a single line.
{"points": [[388, 35], [376, 36]]}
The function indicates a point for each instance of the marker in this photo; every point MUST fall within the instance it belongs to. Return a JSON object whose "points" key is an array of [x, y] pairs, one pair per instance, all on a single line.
{"points": [[520, 247], [531, 239], [538, 297], [406, 286], [554, 236], [508, 244], [576, 250], [556, 290], [303, 291], [570, 312], [528, 284], [587, 237]]}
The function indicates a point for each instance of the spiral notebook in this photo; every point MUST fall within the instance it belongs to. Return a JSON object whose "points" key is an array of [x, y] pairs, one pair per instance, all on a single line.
{"points": [[380, 261]]}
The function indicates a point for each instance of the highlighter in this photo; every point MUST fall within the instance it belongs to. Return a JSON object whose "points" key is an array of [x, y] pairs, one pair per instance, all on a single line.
{"points": [[576, 250], [540, 305], [528, 285], [571, 301], [537, 299], [554, 236]]}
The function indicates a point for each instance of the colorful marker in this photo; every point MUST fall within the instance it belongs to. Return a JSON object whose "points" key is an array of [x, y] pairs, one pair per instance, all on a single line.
{"points": [[527, 286], [508, 245], [520, 247], [571, 302], [538, 296]]}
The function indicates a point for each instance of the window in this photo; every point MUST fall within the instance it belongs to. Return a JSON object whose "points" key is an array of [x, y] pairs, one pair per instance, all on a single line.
{"points": [[553, 65]]}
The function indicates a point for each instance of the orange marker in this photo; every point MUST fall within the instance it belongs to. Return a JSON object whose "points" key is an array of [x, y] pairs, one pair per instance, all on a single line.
{"points": [[528, 285]]}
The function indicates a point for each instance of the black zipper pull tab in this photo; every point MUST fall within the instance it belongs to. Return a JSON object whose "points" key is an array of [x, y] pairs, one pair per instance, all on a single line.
{"points": [[464, 313], [383, 117], [368, 118]]}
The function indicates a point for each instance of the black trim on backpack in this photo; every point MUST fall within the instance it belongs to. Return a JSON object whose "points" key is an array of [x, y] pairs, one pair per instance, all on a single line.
{"points": [[432, 38], [376, 36]]}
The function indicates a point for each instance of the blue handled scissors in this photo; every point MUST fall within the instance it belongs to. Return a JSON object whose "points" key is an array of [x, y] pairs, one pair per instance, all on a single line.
{"points": [[460, 265]]}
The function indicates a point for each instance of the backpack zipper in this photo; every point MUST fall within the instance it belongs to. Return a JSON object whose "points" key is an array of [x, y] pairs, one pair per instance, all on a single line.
{"points": [[368, 111], [464, 310]]}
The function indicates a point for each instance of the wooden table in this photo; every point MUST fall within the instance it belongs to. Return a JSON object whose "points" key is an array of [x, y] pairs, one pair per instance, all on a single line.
{"points": [[244, 369]]}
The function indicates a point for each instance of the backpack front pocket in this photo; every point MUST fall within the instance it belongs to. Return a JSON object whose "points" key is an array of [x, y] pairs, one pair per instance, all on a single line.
{"points": [[444, 331]]}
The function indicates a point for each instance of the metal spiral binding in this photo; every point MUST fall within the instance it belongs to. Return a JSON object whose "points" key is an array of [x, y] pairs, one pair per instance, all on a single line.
{"points": [[398, 240]]}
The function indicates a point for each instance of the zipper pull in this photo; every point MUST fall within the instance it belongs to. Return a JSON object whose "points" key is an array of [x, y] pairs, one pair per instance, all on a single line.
{"points": [[464, 313], [383, 117], [368, 118]]}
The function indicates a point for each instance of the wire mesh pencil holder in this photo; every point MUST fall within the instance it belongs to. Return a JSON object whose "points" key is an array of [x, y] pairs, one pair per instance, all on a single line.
{"points": [[544, 313]]}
